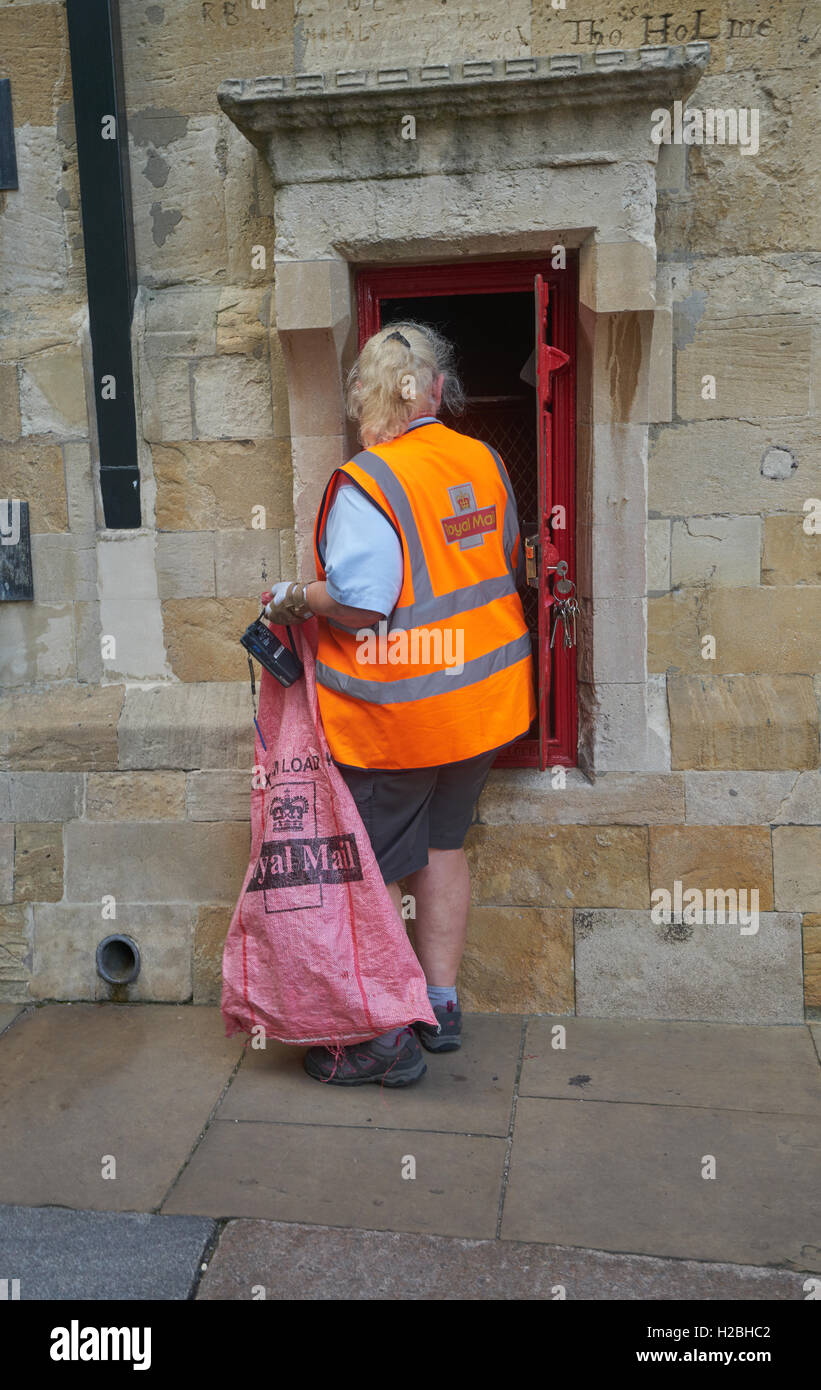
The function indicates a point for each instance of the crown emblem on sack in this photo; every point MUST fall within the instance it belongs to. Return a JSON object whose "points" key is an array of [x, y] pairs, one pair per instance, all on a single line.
{"points": [[463, 500], [288, 810]]}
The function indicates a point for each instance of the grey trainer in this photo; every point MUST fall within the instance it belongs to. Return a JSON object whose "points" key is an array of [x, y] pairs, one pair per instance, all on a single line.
{"points": [[449, 1035], [399, 1065]]}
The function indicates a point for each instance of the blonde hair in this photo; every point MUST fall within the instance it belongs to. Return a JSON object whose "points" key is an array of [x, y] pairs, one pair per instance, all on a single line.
{"points": [[393, 378]]}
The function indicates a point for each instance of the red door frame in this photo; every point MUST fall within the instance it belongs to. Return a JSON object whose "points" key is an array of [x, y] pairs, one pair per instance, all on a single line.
{"points": [[505, 277]]}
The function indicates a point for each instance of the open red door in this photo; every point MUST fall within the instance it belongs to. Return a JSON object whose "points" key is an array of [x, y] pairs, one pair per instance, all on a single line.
{"points": [[548, 360]]}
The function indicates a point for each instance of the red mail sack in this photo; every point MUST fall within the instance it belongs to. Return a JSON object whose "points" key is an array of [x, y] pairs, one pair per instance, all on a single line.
{"points": [[315, 951]]}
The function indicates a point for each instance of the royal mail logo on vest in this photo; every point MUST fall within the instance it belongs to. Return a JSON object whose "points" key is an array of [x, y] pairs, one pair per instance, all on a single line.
{"points": [[469, 521]]}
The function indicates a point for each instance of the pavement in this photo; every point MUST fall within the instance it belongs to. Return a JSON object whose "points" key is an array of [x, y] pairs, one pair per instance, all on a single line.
{"points": [[145, 1155]]}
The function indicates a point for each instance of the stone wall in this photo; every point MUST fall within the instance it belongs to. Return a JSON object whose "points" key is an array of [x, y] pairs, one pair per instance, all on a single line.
{"points": [[127, 774]]}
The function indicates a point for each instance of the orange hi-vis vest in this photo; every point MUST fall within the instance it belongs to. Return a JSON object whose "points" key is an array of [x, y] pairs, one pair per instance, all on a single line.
{"points": [[449, 674]]}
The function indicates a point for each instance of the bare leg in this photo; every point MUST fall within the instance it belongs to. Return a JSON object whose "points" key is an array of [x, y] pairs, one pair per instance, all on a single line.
{"points": [[442, 893]]}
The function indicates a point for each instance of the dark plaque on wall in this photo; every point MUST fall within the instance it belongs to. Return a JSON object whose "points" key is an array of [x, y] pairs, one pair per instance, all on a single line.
{"points": [[15, 551], [8, 158]]}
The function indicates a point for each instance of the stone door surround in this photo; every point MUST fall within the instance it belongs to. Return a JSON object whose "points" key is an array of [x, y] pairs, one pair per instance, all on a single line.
{"points": [[490, 159]]}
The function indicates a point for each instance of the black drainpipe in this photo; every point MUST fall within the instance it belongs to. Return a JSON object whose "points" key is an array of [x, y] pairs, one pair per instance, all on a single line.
{"points": [[105, 196]]}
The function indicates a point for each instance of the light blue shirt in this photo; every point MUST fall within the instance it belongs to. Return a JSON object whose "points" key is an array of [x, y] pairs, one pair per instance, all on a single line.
{"points": [[363, 554]]}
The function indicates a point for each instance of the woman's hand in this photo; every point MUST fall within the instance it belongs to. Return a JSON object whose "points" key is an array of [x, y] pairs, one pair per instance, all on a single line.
{"points": [[286, 603]]}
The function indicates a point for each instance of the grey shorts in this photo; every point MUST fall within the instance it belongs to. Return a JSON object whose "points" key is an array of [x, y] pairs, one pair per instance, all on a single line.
{"points": [[407, 813]]}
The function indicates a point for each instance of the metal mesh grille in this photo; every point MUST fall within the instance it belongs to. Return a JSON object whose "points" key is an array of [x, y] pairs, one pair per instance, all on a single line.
{"points": [[510, 427]]}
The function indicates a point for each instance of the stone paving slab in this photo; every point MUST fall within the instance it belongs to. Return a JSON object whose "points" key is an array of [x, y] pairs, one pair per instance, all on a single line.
{"points": [[8, 1013], [726, 1066], [469, 1091], [319, 1262], [57, 1253], [628, 1178], [80, 1081], [345, 1177]]}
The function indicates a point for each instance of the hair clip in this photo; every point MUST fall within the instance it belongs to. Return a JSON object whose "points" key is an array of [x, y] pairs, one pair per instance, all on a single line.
{"points": [[399, 338]]}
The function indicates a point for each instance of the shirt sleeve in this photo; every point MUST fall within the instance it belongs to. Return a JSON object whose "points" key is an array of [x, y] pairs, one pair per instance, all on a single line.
{"points": [[363, 554]]}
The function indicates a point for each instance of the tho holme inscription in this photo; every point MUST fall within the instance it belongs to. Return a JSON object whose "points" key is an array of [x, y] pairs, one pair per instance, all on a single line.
{"points": [[638, 29]]}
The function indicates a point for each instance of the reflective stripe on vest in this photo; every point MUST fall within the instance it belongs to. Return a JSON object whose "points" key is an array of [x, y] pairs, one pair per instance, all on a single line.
{"points": [[397, 692], [426, 607]]}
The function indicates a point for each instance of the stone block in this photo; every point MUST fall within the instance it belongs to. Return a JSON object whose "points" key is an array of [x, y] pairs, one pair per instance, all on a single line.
{"points": [[137, 651], [735, 211], [65, 940], [202, 637], [32, 230], [6, 863], [52, 393], [761, 366], [618, 486], [185, 564], [38, 862], [64, 729], [38, 644], [616, 276], [658, 555], [210, 931], [218, 795], [755, 630], [211, 487], [81, 487], [688, 461], [624, 737], [41, 796], [716, 550], [32, 470], [165, 398], [314, 459], [247, 562], [232, 397], [715, 857], [249, 209], [797, 867], [242, 321], [791, 556], [559, 866], [9, 402], [746, 722], [612, 561], [179, 223], [812, 959], [87, 636], [312, 295], [34, 49], [136, 796], [612, 637], [180, 321], [15, 958], [753, 798], [154, 862], [527, 797], [175, 60], [629, 967], [64, 567], [192, 726], [518, 960]]}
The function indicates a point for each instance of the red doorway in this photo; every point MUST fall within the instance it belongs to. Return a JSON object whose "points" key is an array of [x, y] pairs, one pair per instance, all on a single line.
{"points": [[490, 313]]}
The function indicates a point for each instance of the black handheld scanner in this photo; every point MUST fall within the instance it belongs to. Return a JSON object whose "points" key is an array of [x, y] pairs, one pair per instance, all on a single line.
{"points": [[261, 643]]}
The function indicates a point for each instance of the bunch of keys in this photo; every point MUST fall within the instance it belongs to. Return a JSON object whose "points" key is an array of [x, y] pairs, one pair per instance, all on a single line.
{"points": [[565, 606]]}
